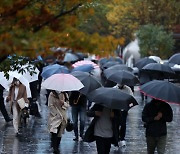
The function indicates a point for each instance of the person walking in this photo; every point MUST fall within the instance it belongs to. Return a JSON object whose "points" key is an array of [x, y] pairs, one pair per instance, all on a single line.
{"points": [[123, 115], [58, 104], [2, 106], [78, 104], [16, 91], [103, 128], [155, 115]]}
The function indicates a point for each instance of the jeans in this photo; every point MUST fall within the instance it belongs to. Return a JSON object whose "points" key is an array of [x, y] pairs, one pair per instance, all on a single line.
{"points": [[156, 142], [81, 112]]}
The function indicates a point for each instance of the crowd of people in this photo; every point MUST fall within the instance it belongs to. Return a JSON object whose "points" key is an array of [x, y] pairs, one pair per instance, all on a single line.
{"points": [[107, 127]]}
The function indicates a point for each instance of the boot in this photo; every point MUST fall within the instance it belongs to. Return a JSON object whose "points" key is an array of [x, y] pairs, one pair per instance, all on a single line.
{"points": [[54, 143]]}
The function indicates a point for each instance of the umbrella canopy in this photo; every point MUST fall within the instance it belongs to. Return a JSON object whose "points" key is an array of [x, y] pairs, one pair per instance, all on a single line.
{"points": [[90, 83], [109, 64], [4, 82], [53, 69], [102, 61], [84, 62], [84, 68], [112, 98], [62, 82], [121, 77], [175, 59], [23, 80], [119, 67], [144, 61], [156, 58], [31, 77], [162, 90], [117, 59], [159, 69], [70, 57]]}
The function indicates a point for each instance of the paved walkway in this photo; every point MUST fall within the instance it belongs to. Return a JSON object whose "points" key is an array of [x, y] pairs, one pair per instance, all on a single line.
{"points": [[35, 138]]}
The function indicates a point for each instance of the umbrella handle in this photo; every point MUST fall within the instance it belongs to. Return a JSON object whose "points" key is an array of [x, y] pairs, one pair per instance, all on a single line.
{"points": [[76, 102]]}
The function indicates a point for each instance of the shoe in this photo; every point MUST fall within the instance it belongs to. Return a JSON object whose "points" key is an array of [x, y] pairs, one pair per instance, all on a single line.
{"points": [[75, 139], [122, 143], [8, 120], [17, 134]]}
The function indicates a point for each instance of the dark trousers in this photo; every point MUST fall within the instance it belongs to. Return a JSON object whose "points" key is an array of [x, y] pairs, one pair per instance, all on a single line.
{"points": [[79, 111], [156, 142], [122, 132], [55, 141], [3, 110], [103, 145]]}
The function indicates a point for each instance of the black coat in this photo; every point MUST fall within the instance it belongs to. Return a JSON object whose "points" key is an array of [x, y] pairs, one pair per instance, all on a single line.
{"points": [[89, 134], [156, 128]]}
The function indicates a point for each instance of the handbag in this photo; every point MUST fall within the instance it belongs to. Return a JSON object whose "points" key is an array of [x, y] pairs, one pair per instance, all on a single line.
{"points": [[21, 103], [69, 126]]}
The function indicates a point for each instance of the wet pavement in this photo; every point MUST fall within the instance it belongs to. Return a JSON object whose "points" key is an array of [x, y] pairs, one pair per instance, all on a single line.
{"points": [[35, 138]]}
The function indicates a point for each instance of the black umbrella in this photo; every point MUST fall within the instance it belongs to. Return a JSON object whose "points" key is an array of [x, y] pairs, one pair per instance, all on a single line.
{"points": [[117, 59], [120, 67], [109, 64], [112, 98], [161, 70], [162, 90], [90, 82], [175, 59], [144, 61], [121, 77]]}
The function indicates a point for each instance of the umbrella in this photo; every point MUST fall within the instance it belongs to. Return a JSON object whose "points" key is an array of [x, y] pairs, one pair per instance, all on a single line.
{"points": [[117, 59], [62, 82], [121, 77], [175, 59], [162, 90], [3, 81], [70, 57], [84, 62], [144, 61], [90, 83], [102, 61], [112, 98], [159, 69], [22, 79], [31, 77], [84, 68], [109, 64], [120, 67], [53, 69], [156, 58]]}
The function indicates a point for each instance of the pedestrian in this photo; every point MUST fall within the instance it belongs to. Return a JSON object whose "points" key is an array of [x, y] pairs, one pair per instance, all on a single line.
{"points": [[103, 128], [123, 115], [2, 106], [16, 91], [58, 104], [78, 104], [155, 115]]}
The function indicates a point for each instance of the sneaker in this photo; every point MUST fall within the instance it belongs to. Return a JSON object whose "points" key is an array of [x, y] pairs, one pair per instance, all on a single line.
{"points": [[122, 143]]}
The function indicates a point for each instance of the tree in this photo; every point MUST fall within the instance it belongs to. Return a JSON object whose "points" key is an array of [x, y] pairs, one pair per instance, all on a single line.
{"points": [[127, 16], [154, 40]]}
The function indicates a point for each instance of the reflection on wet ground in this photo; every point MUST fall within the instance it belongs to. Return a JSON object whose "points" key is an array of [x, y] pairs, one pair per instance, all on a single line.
{"points": [[34, 138]]}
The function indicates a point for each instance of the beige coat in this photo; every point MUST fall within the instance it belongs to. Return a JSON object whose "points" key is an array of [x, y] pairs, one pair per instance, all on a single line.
{"points": [[57, 113], [21, 94]]}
